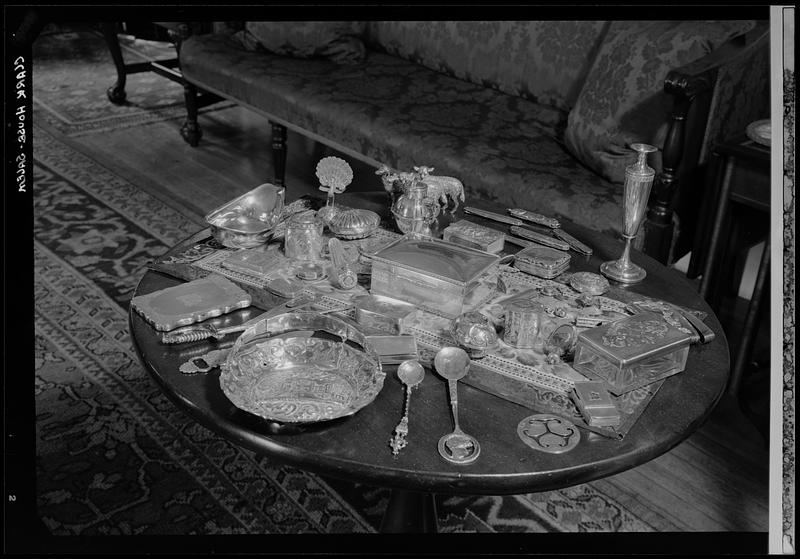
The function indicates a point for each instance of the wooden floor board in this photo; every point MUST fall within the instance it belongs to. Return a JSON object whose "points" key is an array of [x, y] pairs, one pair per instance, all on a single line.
{"points": [[714, 481]]}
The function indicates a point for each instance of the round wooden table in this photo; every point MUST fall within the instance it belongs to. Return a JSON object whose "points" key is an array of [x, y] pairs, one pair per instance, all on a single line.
{"points": [[356, 448]]}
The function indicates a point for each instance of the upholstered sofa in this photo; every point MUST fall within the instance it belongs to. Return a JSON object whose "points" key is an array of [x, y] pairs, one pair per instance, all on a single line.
{"points": [[533, 114]]}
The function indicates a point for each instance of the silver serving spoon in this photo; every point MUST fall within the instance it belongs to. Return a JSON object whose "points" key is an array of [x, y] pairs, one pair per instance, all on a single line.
{"points": [[456, 447], [411, 374]]}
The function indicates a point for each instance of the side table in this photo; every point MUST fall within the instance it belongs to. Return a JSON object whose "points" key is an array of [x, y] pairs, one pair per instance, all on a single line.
{"points": [[740, 184]]}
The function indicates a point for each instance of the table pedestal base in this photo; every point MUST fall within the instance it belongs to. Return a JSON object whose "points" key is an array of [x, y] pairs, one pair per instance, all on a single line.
{"points": [[409, 512]]}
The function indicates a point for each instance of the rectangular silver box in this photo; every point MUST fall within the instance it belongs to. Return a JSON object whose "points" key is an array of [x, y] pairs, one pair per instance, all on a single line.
{"points": [[383, 313], [435, 275], [468, 234]]}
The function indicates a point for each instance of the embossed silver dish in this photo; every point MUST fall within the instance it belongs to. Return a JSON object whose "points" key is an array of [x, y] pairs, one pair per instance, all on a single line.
{"points": [[249, 220], [354, 224], [300, 379]]}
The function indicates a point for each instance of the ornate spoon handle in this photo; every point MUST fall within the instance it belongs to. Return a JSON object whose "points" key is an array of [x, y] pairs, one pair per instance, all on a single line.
{"points": [[398, 441]]}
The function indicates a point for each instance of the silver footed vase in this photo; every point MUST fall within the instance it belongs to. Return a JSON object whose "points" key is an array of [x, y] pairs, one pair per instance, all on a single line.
{"points": [[638, 182]]}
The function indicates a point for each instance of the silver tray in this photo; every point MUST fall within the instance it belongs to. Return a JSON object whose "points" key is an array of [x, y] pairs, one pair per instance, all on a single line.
{"points": [[249, 220], [301, 379]]}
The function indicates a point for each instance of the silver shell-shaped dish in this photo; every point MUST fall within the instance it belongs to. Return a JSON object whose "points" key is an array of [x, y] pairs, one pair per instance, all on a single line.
{"points": [[301, 379], [354, 224], [249, 220]]}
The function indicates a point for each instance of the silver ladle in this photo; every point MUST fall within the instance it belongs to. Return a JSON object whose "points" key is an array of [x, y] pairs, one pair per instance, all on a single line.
{"points": [[456, 447], [411, 374]]}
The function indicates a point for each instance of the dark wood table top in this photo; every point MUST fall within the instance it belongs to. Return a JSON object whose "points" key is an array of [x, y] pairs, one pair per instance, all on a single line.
{"points": [[356, 448]]}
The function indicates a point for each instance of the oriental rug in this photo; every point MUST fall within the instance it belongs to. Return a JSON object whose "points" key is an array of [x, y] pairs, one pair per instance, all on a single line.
{"points": [[115, 456]]}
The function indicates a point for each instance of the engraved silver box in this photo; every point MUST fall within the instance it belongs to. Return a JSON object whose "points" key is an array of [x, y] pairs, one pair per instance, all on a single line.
{"points": [[435, 275], [632, 352]]}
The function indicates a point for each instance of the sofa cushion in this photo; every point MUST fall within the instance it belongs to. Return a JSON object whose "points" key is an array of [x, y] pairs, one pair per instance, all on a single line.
{"points": [[403, 114], [544, 61], [336, 40], [623, 99]]}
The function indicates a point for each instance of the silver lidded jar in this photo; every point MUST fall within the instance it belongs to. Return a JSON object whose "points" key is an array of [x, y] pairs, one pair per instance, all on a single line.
{"points": [[304, 237]]}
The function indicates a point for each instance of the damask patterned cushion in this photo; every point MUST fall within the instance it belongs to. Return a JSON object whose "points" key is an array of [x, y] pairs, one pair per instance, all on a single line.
{"points": [[336, 40], [396, 112], [623, 99], [544, 61]]}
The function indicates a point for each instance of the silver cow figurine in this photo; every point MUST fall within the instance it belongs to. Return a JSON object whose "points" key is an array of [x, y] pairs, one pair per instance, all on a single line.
{"points": [[443, 189]]}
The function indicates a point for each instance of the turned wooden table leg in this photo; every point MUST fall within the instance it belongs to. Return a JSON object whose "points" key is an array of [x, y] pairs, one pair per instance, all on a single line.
{"points": [[116, 93], [279, 153], [190, 130], [751, 320], [409, 512]]}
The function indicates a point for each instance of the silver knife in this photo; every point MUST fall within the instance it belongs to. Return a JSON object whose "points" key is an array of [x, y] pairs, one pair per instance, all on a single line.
{"points": [[533, 217], [573, 242], [546, 240], [493, 216]]}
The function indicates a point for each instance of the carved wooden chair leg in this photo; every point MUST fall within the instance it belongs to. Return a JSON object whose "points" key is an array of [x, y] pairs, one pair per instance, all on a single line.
{"points": [[190, 131], [116, 93], [279, 153]]}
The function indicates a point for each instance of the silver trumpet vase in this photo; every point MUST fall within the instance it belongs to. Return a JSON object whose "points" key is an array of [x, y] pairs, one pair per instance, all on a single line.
{"points": [[638, 182]]}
